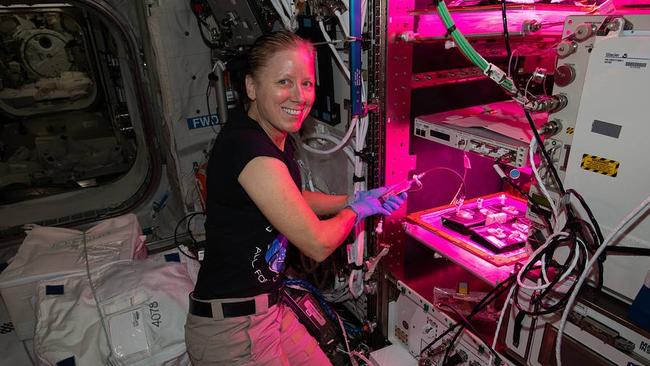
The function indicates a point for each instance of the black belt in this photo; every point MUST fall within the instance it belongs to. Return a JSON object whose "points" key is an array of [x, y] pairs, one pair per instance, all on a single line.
{"points": [[231, 309]]}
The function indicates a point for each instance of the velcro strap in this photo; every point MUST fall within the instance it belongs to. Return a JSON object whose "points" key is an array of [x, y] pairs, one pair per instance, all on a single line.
{"points": [[450, 30]]}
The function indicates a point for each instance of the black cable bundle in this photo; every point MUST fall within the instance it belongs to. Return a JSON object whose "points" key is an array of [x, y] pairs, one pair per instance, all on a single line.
{"points": [[466, 323], [538, 297], [189, 218], [491, 296], [506, 35], [577, 230]]}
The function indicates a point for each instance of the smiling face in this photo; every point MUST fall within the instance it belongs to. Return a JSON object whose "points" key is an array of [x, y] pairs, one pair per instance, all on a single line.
{"points": [[282, 91]]}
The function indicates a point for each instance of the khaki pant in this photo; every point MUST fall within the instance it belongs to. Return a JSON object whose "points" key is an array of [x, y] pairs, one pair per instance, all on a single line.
{"points": [[272, 338]]}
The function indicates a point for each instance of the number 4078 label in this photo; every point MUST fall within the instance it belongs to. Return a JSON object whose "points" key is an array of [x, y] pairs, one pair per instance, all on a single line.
{"points": [[154, 314]]}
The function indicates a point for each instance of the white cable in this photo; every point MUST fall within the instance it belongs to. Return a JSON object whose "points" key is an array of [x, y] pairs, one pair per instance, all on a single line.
{"points": [[220, 64], [544, 274], [520, 282], [102, 319], [360, 243], [362, 357], [531, 154], [335, 52], [345, 338], [568, 271], [364, 11], [287, 6], [360, 125], [362, 128], [526, 88], [503, 311], [283, 17], [344, 141], [546, 243], [344, 26], [610, 239], [346, 149], [292, 12], [510, 59], [462, 183], [355, 282], [448, 170]]}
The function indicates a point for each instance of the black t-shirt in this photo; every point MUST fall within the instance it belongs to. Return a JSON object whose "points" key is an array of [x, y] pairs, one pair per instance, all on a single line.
{"points": [[244, 254]]}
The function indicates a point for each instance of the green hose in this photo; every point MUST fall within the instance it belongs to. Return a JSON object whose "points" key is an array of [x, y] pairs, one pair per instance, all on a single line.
{"points": [[469, 51]]}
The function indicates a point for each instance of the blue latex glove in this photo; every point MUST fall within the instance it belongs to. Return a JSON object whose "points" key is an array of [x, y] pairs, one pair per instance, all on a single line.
{"points": [[392, 203], [368, 203], [376, 193]]}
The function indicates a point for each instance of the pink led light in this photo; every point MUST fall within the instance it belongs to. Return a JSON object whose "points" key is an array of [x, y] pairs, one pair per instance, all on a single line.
{"points": [[489, 22], [632, 6]]}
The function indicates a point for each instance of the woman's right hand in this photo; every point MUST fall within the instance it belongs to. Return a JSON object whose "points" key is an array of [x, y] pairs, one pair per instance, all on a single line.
{"points": [[372, 202]]}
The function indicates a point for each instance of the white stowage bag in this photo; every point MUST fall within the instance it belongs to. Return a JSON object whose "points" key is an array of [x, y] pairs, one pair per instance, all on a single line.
{"points": [[50, 252], [144, 306]]}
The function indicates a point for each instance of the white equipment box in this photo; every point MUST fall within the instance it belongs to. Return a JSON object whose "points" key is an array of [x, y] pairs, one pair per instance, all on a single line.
{"points": [[608, 159], [496, 130]]}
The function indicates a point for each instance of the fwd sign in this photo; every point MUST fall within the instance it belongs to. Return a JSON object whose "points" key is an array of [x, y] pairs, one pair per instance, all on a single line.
{"points": [[202, 121]]}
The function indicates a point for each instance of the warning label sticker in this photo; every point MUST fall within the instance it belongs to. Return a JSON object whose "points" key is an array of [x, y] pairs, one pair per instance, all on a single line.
{"points": [[600, 165]]}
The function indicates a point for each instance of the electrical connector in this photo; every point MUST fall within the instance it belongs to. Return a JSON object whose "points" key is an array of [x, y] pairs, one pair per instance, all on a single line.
{"points": [[407, 36], [530, 26]]}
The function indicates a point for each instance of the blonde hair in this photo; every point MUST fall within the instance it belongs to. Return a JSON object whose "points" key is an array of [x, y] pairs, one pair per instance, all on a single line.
{"points": [[267, 45], [257, 57]]}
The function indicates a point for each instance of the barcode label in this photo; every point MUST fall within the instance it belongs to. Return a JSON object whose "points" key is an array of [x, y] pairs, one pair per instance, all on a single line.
{"points": [[636, 65]]}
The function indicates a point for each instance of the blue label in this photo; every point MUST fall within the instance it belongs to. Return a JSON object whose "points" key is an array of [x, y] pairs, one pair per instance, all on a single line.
{"points": [[202, 121]]}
